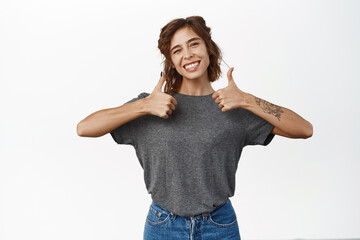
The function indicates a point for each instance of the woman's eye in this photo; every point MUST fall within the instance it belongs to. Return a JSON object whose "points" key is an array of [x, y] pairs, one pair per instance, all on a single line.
{"points": [[192, 44]]}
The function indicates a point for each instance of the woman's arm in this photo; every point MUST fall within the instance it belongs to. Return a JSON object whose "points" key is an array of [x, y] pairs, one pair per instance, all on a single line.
{"points": [[286, 122], [104, 121]]}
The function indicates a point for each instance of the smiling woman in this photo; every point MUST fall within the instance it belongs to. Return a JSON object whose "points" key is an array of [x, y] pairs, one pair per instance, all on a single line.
{"points": [[188, 170], [189, 54]]}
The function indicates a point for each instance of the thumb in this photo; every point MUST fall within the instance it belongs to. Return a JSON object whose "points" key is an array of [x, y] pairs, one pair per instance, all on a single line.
{"points": [[229, 76], [160, 82]]}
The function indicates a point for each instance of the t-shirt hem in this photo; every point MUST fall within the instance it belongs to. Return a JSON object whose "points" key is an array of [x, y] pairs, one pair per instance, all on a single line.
{"points": [[113, 136], [268, 135]]}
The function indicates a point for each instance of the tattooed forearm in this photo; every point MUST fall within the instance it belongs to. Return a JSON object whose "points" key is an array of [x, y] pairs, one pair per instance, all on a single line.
{"points": [[269, 107]]}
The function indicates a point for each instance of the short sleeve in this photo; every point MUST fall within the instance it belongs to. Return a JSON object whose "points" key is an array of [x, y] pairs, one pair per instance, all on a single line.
{"points": [[127, 133], [258, 130]]}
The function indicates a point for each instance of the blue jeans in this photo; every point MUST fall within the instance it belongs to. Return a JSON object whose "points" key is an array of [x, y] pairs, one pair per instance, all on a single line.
{"points": [[220, 224]]}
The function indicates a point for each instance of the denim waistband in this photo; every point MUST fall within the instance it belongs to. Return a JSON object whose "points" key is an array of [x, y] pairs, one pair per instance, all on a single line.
{"points": [[160, 210]]}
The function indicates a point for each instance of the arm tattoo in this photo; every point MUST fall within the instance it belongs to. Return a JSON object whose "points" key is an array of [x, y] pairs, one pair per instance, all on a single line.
{"points": [[269, 108]]}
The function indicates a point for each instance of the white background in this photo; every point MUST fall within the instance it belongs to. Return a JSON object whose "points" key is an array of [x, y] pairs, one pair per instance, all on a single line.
{"points": [[63, 60]]}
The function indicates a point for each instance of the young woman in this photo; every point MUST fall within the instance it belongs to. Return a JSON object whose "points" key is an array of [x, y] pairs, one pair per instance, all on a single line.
{"points": [[189, 138]]}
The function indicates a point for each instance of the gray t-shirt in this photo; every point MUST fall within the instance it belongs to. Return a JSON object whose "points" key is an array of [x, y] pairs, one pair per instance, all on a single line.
{"points": [[190, 159]]}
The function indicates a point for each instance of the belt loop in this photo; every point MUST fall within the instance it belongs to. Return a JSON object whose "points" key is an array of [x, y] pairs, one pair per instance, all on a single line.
{"points": [[205, 216]]}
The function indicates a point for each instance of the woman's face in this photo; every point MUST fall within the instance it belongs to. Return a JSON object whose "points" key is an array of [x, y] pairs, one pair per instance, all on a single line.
{"points": [[189, 54]]}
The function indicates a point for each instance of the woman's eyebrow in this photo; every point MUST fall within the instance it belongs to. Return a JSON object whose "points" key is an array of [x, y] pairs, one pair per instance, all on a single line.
{"points": [[190, 40]]}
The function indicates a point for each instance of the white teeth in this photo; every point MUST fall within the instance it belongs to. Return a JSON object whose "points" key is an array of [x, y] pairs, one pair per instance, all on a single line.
{"points": [[191, 65]]}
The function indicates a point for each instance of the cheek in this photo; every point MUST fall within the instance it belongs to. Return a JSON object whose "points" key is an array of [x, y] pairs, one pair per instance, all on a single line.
{"points": [[206, 61], [175, 61], [205, 57]]}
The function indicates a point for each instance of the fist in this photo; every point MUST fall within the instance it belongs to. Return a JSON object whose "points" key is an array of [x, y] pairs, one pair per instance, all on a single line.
{"points": [[159, 103], [230, 97]]}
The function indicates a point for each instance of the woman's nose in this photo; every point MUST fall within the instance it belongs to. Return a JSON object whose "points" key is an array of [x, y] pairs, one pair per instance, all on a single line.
{"points": [[188, 54]]}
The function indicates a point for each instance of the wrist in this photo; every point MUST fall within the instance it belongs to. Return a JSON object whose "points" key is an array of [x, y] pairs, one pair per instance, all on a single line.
{"points": [[248, 101], [144, 106]]}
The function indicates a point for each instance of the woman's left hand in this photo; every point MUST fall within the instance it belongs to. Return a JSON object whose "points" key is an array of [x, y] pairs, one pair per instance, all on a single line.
{"points": [[230, 97]]}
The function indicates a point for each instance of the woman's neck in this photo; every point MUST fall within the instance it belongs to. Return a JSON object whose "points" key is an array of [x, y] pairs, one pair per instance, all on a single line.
{"points": [[196, 87]]}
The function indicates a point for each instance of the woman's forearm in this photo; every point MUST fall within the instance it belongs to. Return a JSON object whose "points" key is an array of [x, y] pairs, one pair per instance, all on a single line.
{"points": [[104, 121], [286, 120]]}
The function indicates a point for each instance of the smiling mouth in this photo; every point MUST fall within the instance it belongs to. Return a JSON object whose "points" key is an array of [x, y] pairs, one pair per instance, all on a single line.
{"points": [[191, 65]]}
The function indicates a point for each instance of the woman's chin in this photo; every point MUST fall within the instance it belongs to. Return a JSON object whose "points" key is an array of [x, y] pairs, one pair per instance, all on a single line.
{"points": [[192, 76]]}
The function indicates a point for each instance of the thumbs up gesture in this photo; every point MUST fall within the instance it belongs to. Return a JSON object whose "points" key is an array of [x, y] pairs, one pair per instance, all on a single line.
{"points": [[159, 103], [230, 97]]}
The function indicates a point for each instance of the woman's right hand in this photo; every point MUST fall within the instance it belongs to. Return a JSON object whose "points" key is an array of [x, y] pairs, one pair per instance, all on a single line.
{"points": [[159, 103]]}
